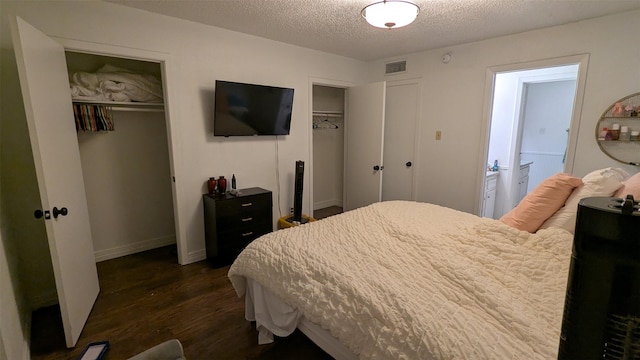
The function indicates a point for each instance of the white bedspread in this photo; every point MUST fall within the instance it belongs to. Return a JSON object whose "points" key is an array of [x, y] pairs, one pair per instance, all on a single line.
{"points": [[407, 280]]}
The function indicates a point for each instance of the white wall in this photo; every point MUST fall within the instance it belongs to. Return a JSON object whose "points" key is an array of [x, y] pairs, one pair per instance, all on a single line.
{"points": [[128, 184], [453, 98]]}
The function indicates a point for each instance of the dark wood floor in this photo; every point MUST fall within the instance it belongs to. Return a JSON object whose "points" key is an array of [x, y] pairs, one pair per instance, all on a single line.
{"points": [[147, 298]]}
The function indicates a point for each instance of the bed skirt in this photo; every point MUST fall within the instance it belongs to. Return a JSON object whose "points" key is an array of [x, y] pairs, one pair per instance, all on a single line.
{"points": [[274, 317]]}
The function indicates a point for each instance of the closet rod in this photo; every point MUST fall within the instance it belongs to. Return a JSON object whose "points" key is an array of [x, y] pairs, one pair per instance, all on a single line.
{"points": [[122, 105], [328, 115], [119, 108]]}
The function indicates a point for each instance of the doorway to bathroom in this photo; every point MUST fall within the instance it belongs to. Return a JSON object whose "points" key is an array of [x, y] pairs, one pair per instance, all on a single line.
{"points": [[532, 131]]}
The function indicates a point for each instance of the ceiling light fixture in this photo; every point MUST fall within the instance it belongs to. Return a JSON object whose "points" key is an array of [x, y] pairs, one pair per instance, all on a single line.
{"points": [[390, 14]]}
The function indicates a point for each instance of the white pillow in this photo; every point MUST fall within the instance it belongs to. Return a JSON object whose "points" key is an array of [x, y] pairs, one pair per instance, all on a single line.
{"points": [[602, 182]]}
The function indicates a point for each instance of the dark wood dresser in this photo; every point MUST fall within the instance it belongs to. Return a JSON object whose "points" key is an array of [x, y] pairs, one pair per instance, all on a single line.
{"points": [[231, 222]]}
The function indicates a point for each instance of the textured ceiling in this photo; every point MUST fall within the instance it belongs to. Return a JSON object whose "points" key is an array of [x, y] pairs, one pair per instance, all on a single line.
{"points": [[335, 26]]}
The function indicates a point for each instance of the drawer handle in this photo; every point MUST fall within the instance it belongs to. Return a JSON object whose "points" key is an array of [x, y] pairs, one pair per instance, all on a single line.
{"points": [[247, 204], [247, 219], [247, 234]]}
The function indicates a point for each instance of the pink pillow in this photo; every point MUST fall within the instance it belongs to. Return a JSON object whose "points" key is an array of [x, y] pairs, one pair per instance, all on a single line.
{"points": [[542, 202], [631, 186]]}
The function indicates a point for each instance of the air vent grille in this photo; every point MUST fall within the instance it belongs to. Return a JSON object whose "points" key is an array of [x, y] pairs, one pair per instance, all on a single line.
{"points": [[395, 67]]}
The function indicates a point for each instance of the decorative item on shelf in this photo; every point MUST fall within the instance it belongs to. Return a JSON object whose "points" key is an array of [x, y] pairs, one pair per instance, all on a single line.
{"points": [[233, 190], [603, 134], [211, 185], [615, 132], [222, 185], [628, 109], [608, 135], [634, 135], [618, 109], [624, 134]]}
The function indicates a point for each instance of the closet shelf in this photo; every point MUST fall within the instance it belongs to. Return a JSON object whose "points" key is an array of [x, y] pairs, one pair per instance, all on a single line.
{"points": [[123, 105]]}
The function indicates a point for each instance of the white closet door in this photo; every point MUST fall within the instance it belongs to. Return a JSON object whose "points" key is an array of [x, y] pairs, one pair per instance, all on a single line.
{"points": [[47, 101], [364, 145], [399, 139]]}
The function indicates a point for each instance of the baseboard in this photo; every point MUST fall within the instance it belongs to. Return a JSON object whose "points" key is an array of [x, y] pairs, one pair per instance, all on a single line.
{"points": [[326, 204], [196, 256], [133, 248]]}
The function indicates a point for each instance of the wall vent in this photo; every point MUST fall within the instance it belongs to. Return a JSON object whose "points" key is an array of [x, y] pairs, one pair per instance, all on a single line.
{"points": [[395, 67]]}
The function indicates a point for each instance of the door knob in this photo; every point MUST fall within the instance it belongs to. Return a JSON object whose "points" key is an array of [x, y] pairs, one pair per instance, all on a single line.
{"points": [[39, 214], [408, 164], [376, 167], [62, 211]]}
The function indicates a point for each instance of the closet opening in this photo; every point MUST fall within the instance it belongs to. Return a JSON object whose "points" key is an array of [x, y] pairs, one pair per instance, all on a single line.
{"points": [[126, 170], [363, 143], [328, 104], [60, 170]]}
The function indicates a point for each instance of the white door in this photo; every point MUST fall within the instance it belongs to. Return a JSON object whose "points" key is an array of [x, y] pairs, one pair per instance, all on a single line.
{"points": [[364, 145], [47, 101], [399, 140]]}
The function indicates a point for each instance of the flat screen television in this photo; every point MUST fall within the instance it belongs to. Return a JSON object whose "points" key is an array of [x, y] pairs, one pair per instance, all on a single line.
{"points": [[249, 109]]}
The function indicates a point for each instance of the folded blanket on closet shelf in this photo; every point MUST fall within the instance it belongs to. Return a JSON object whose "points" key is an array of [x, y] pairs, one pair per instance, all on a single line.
{"points": [[111, 83]]}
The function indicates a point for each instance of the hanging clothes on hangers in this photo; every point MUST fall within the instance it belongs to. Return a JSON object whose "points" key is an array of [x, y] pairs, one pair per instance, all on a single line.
{"points": [[324, 123], [93, 117]]}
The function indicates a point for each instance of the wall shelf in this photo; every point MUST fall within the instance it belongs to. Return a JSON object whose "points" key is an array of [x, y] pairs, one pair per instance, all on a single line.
{"points": [[624, 112]]}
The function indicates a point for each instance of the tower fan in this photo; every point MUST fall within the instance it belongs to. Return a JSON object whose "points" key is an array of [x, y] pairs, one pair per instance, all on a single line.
{"points": [[297, 195], [601, 317]]}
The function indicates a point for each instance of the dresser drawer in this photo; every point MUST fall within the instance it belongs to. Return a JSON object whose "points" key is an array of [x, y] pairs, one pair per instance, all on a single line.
{"points": [[244, 234], [246, 219], [232, 242], [227, 220], [243, 205]]}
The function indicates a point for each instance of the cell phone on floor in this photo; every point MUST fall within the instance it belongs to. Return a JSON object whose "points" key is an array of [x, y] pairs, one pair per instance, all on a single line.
{"points": [[94, 351]]}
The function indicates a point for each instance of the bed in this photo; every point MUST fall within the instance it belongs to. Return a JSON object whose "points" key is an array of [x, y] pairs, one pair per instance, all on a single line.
{"points": [[409, 280]]}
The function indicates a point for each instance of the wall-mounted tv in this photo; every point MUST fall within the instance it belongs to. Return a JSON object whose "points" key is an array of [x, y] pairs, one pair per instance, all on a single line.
{"points": [[249, 109]]}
